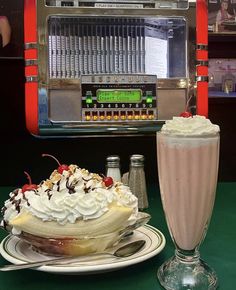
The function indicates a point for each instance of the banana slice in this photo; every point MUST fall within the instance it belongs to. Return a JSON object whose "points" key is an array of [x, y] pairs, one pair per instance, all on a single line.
{"points": [[111, 221]]}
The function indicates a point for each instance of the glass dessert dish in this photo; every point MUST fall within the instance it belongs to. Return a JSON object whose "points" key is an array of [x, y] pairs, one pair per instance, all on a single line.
{"points": [[81, 245], [188, 169]]}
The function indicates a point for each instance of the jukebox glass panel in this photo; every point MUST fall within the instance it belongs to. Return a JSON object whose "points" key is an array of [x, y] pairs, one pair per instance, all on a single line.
{"points": [[86, 46]]}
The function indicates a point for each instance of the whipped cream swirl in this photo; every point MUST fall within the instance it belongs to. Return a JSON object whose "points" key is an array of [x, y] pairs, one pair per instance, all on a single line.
{"points": [[74, 194], [192, 126]]}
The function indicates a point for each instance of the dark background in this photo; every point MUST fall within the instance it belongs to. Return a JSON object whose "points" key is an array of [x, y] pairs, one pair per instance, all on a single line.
{"points": [[21, 151]]}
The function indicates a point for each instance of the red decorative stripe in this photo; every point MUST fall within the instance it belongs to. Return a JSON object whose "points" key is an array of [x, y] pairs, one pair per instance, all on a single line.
{"points": [[202, 22], [31, 107], [30, 21], [31, 54], [202, 55], [31, 71], [202, 98], [31, 89], [202, 70], [202, 39]]}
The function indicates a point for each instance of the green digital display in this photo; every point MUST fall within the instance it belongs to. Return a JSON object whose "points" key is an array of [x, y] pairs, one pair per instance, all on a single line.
{"points": [[119, 96]]}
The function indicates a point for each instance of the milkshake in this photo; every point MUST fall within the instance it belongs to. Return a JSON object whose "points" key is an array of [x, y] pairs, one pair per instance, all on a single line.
{"points": [[188, 156]]}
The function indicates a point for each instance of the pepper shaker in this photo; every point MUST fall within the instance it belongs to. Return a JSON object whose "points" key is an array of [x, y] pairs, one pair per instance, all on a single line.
{"points": [[137, 180], [113, 167]]}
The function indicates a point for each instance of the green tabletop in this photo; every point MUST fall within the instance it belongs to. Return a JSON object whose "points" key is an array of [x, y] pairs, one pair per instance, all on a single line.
{"points": [[218, 249]]}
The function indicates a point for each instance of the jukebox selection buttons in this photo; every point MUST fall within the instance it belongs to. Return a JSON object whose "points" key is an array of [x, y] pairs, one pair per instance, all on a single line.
{"points": [[123, 115], [87, 116], [130, 115], [116, 116], [144, 115], [95, 116], [151, 115], [136, 115], [101, 116], [108, 116]]}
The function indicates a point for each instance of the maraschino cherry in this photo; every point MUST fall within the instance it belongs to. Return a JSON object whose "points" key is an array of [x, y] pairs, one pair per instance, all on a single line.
{"points": [[29, 186], [186, 114], [108, 181], [61, 167]]}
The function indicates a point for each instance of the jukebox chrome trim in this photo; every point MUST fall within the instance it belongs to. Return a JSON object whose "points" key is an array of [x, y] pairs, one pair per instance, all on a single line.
{"points": [[31, 79]]}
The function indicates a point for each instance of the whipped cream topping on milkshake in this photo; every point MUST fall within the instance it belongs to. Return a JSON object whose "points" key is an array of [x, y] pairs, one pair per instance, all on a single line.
{"points": [[188, 151], [192, 126]]}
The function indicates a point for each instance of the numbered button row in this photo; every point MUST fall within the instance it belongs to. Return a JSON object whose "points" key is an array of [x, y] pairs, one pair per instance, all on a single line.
{"points": [[119, 115]]}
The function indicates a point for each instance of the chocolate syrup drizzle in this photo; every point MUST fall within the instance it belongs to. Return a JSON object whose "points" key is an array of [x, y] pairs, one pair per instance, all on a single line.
{"points": [[49, 193], [71, 187]]}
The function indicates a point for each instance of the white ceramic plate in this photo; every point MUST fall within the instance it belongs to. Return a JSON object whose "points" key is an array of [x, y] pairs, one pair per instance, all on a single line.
{"points": [[17, 251]]}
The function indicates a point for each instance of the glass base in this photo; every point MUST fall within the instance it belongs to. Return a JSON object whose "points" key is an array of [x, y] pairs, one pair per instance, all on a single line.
{"points": [[179, 273]]}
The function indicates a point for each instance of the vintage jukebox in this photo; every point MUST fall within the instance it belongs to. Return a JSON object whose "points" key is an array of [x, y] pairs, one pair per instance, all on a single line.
{"points": [[105, 67]]}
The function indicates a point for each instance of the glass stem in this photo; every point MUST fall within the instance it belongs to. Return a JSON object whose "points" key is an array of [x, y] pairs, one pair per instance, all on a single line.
{"points": [[187, 256]]}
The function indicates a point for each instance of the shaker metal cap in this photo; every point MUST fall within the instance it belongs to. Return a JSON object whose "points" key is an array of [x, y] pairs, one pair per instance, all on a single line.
{"points": [[137, 160], [113, 161]]}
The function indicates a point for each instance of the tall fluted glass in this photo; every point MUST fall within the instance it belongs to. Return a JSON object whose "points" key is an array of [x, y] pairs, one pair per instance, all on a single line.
{"points": [[188, 172]]}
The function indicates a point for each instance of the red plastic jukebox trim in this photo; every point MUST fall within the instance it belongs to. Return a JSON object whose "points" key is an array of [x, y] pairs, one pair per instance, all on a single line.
{"points": [[202, 57], [31, 69]]}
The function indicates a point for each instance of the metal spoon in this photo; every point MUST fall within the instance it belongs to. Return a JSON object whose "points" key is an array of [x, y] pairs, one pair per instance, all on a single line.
{"points": [[122, 252]]}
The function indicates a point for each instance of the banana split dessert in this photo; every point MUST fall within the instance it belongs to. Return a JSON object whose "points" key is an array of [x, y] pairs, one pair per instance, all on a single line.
{"points": [[73, 212]]}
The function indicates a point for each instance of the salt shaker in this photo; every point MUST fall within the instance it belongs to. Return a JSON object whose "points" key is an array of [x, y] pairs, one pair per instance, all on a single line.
{"points": [[113, 167], [137, 180]]}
